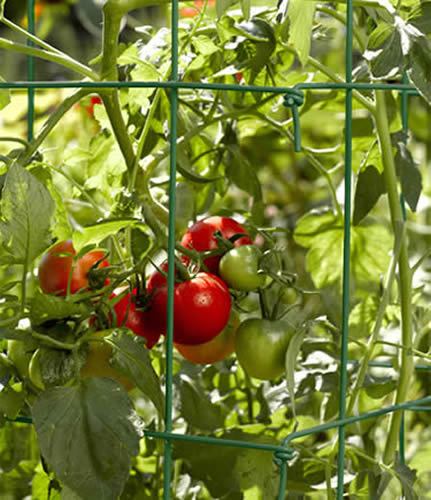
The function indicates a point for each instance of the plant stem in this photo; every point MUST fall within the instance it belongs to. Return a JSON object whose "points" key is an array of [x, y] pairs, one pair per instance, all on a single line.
{"points": [[406, 368], [54, 57], [25, 157]]}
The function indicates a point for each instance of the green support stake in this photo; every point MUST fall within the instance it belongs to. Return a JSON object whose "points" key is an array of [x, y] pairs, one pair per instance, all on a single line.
{"points": [[30, 72], [292, 100]]}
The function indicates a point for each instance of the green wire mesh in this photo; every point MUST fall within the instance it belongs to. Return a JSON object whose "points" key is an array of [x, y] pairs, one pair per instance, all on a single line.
{"points": [[293, 98]]}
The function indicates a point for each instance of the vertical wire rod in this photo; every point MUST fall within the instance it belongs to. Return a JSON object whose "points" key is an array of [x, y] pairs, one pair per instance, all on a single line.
{"points": [[346, 250]]}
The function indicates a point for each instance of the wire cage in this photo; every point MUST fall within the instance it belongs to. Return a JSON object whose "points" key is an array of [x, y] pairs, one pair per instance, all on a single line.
{"points": [[293, 99]]}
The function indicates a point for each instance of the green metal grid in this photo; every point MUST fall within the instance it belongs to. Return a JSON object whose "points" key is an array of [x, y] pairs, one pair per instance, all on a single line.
{"points": [[293, 99]]}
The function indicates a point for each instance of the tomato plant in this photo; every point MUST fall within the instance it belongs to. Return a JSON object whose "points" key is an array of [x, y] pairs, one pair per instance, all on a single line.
{"points": [[131, 315], [106, 182], [239, 268], [202, 307], [56, 270], [261, 345], [200, 236], [217, 349]]}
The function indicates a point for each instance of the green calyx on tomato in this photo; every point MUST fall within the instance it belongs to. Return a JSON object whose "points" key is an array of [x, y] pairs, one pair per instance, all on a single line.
{"points": [[261, 345], [202, 307], [55, 270], [200, 237], [217, 349], [239, 268]]}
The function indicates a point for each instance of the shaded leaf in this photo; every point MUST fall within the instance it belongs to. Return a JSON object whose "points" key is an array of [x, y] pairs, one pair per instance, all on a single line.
{"points": [[384, 52], [197, 409], [369, 187], [26, 208], [420, 17], [88, 436], [292, 352], [407, 477], [409, 174], [46, 307], [132, 358]]}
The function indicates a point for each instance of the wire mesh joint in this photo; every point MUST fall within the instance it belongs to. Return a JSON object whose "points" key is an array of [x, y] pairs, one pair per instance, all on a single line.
{"points": [[292, 99], [283, 456]]}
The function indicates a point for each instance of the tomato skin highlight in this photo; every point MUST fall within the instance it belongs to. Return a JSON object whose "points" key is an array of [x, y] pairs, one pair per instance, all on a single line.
{"points": [[202, 307], [139, 321], [239, 268], [217, 349], [54, 270], [261, 345], [200, 236]]}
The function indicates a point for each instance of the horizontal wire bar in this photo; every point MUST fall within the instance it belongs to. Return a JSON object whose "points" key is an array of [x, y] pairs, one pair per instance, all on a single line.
{"points": [[212, 86]]}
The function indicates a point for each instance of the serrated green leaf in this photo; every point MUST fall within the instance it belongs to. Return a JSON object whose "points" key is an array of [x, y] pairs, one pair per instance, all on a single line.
{"points": [[196, 408], [88, 436], [292, 352], [26, 209], [8, 333], [301, 16], [407, 477], [409, 174], [384, 52], [363, 317], [46, 307], [370, 185], [131, 357], [322, 233], [94, 234], [420, 17], [246, 8]]}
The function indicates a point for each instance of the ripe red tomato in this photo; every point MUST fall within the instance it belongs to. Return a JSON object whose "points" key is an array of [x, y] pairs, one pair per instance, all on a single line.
{"points": [[200, 236], [139, 321], [217, 349], [201, 307], [54, 270]]}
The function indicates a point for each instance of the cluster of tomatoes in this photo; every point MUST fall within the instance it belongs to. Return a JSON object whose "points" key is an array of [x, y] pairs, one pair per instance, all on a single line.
{"points": [[219, 260]]}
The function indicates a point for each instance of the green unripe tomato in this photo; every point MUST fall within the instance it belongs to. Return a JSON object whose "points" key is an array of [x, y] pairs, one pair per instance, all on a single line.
{"points": [[261, 345], [239, 268], [20, 355]]}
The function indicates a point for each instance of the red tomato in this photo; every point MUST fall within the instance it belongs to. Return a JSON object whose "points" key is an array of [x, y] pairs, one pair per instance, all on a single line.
{"points": [[217, 349], [139, 321], [54, 271], [192, 11], [93, 101], [201, 307], [200, 236]]}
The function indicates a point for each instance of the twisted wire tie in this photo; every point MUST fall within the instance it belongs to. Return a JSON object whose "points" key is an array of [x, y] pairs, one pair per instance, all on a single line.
{"points": [[283, 456], [292, 99]]}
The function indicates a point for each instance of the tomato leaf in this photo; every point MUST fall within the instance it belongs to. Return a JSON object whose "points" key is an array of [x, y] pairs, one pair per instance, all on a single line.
{"points": [[26, 208], [132, 358], [420, 17], [409, 174], [88, 434], [292, 352], [322, 233], [369, 187], [197, 409], [301, 16], [384, 51], [96, 233], [46, 307], [231, 470], [11, 402]]}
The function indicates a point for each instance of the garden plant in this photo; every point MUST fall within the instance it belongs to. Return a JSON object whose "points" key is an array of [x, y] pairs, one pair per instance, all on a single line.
{"points": [[215, 250]]}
